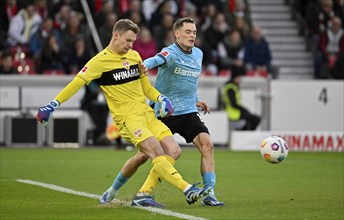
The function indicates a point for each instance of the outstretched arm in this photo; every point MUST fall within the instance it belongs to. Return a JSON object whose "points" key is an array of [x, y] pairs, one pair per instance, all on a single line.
{"points": [[75, 85], [45, 112], [155, 61]]}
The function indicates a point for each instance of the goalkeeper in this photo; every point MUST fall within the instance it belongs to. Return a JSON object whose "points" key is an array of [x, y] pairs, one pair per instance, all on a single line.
{"points": [[117, 69]]}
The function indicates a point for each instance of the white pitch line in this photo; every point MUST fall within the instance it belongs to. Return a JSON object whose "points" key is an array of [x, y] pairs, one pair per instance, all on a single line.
{"points": [[94, 196]]}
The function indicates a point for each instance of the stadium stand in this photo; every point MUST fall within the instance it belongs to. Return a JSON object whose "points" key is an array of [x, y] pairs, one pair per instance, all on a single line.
{"points": [[288, 26], [288, 47]]}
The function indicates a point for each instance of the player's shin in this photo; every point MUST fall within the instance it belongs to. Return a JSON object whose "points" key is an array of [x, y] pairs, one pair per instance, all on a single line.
{"points": [[166, 171], [153, 178], [150, 183]]}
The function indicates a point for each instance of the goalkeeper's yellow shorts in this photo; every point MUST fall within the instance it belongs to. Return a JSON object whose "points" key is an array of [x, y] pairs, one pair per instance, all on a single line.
{"points": [[138, 128]]}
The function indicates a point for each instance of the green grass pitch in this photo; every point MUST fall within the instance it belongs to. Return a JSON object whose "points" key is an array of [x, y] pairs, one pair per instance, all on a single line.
{"points": [[305, 186]]}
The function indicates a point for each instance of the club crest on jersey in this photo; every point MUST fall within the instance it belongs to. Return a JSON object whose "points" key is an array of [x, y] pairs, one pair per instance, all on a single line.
{"points": [[126, 65], [138, 132], [164, 53], [84, 69]]}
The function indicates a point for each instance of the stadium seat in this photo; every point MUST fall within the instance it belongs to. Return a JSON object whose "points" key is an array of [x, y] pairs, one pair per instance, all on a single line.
{"points": [[25, 66], [53, 72], [261, 73], [225, 73], [206, 73]]}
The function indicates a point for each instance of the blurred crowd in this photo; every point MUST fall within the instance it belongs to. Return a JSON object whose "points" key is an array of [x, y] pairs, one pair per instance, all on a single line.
{"points": [[322, 24], [53, 36]]}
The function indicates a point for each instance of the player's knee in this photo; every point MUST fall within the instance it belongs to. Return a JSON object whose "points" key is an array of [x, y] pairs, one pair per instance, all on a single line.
{"points": [[207, 148], [175, 153]]}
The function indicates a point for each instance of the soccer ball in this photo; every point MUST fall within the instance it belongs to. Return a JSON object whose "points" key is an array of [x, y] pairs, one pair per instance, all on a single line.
{"points": [[274, 149]]}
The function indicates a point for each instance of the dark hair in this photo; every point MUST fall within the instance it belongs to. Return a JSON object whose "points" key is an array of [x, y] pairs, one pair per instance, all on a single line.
{"points": [[124, 25], [180, 22]]}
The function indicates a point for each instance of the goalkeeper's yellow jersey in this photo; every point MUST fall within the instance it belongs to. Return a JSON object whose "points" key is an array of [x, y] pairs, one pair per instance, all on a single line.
{"points": [[124, 86]]}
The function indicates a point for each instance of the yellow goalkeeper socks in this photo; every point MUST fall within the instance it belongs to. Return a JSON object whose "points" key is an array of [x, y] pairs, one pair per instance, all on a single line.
{"points": [[151, 181], [164, 169], [153, 178], [171, 160]]}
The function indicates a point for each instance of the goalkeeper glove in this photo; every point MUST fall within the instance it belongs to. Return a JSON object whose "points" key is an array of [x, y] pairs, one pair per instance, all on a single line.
{"points": [[166, 109], [46, 111]]}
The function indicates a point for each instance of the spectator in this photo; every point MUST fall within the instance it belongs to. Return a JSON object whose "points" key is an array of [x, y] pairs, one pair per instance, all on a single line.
{"points": [[191, 12], [216, 32], [8, 10], [317, 21], [243, 27], [199, 42], [145, 44], [168, 39], [62, 17], [235, 110], [257, 52], [78, 56], [101, 16], [231, 53], [149, 7], [136, 18], [52, 56], [209, 16], [160, 31], [136, 13], [6, 66], [73, 31], [331, 46], [41, 8], [23, 25], [238, 11], [338, 9], [72, 5], [164, 8], [104, 33], [37, 40], [337, 71], [212, 36]]}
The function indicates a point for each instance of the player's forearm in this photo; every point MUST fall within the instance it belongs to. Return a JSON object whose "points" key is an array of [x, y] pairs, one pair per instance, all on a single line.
{"points": [[154, 62], [149, 91], [75, 85]]}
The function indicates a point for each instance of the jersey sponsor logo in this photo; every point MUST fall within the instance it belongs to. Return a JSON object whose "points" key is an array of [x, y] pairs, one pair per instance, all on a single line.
{"points": [[126, 74], [138, 132], [119, 76], [84, 69], [164, 53], [184, 72], [126, 65]]}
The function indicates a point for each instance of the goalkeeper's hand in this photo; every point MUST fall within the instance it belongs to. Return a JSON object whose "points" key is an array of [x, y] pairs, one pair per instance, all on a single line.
{"points": [[166, 109], [45, 112]]}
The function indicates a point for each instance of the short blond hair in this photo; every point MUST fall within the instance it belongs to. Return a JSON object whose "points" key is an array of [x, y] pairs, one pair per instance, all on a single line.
{"points": [[124, 25]]}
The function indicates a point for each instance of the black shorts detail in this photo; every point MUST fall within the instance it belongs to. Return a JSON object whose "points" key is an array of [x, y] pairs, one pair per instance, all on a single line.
{"points": [[188, 126]]}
